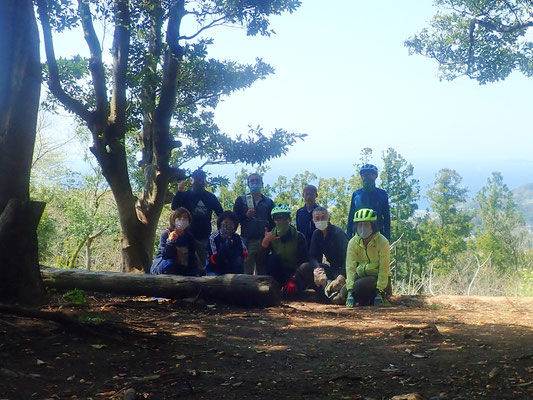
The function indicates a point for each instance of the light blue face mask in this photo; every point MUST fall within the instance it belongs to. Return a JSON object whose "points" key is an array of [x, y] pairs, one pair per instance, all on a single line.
{"points": [[256, 187], [364, 231]]}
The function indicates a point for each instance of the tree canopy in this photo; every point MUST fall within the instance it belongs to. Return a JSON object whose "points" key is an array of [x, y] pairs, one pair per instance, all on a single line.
{"points": [[157, 95], [485, 40]]}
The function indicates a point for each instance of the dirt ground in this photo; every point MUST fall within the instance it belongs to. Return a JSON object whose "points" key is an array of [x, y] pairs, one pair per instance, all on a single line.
{"points": [[438, 347]]}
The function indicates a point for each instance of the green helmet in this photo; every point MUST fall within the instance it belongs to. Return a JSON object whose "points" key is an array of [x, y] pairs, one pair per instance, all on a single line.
{"points": [[281, 209], [365, 214]]}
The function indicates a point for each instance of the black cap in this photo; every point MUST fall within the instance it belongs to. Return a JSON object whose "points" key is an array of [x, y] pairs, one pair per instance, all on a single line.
{"points": [[198, 174]]}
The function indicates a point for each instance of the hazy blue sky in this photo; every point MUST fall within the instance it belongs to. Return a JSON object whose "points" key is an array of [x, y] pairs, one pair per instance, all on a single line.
{"points": [[344, 77]]}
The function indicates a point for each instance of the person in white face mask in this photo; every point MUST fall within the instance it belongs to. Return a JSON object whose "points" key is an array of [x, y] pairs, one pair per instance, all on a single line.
{"points": [[327, 241], [367, 262], [176, 253]]}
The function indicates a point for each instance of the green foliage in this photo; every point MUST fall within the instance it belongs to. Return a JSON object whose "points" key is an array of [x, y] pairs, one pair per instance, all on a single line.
{"points": [[76, 296], [403, 192], [445, 236], [290, 191], [483, 39], [499, 236], [79, 209]]}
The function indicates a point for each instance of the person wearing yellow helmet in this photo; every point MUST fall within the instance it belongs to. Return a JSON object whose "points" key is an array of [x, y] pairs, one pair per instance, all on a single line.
{"points": [[284, 250], [367, 262]]}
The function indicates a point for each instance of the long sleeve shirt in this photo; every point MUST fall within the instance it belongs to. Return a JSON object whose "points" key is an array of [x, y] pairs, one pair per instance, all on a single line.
{"points": [[254, 228], [304, 222], [377, 200], [332, 246], [370, 260], [201, 205], [291, 248]]}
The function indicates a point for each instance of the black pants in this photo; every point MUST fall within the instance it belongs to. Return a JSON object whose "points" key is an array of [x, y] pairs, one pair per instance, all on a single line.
{"points": [[364, 290]]}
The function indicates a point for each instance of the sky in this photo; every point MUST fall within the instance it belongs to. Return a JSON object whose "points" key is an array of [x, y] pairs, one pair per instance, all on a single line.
{"points": [[344, 77]]}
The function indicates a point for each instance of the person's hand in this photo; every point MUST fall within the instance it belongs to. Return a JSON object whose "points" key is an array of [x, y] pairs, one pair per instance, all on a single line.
{"points": [[172, 235], [250, 213], [181, 186], [350, 301], [269, 237]]}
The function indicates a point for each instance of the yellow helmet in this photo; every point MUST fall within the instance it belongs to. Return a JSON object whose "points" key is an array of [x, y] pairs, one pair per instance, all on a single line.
{"points": [[365, 214]]}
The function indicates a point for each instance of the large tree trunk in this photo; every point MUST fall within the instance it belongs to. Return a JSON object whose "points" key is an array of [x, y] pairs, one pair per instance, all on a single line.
{"points": [[20, 86], [19, 257], [247, 290]]}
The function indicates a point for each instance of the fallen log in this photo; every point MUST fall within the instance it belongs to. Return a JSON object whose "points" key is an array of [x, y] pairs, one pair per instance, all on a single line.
{"points": [[246, 290]]}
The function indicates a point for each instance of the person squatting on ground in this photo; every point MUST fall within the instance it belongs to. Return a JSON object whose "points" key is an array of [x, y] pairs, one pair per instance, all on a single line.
{"points": [[304, 215], [226, 251], [176, 253], [369, 196], [284, 250], [328, 241], [201, 204], [254, 212], [367, 263]]}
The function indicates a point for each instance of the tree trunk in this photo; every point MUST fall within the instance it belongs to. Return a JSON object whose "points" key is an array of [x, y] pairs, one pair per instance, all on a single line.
{"points": [[19, 257], [20, 86], [246, 290]]}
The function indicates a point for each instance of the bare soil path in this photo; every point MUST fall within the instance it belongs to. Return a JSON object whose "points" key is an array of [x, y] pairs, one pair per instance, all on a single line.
{"points": [[445, 347]]}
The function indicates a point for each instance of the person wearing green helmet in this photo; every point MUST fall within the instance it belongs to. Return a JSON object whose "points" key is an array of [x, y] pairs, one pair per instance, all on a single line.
{"points": [[284, 250], [367, 262]]}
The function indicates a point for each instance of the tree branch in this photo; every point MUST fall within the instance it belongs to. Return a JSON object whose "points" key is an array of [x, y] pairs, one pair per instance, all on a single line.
{"points": [[54, 82], [215, 22], [503, 28], [120, 51], [96, 65]]}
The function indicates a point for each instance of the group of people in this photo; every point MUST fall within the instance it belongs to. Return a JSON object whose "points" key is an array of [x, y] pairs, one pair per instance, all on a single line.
{"points": [[351, 268]]}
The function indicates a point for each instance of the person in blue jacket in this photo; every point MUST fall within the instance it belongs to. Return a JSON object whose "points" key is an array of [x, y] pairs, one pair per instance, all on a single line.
{"points": [[176, 253], [226, 250], [371, 197]]}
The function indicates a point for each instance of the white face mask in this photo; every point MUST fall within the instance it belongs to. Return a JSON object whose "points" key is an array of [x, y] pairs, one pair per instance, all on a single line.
{"points": [[364, 231], [181, 224], [321, 225]]}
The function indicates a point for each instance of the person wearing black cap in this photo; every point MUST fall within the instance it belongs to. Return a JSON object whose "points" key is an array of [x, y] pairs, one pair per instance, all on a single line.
{"points": [[201, 205]]}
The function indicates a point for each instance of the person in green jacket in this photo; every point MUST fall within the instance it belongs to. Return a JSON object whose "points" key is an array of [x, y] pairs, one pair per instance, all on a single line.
{"points": [[367, 262], [284, 250]]}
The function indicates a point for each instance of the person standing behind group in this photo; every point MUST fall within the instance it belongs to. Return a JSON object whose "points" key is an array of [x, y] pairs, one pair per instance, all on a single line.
{"points": [[371, 197], [253, 210], [304, 215], [201, 204]]}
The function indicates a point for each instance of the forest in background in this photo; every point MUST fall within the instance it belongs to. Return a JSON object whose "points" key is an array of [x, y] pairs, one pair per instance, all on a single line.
{"points": [[479, 244]]}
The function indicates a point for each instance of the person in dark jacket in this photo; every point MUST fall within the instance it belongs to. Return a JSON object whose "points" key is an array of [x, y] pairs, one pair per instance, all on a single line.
{"points": [[176, 253], [329, 241], [371, 197], [225, 250], [285, 250], [253, 210], [304, 215], [201, 204]]}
